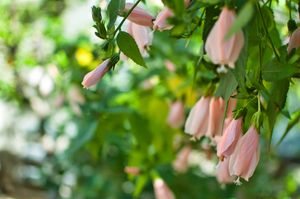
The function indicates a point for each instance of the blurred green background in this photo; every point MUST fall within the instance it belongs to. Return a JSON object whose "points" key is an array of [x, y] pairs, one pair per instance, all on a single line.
{"points": [[58, 140]]}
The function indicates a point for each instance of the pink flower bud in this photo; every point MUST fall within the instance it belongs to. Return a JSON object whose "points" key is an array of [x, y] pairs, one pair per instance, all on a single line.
{"points": [[246, 155], [181, 162], [196, 123], [160, 23], [215, 119], [95, 75], [142, 36], [139, 15], [230, 138], [222, 172], [176, 115], [132, 170], [294, 40], [220, 50], [161, 190]]}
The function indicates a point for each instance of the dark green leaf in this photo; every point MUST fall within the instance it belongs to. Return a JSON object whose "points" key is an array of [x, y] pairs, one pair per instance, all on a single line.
{"points": [[113, 10], [129, 47], [227, 85], [275, 70]]}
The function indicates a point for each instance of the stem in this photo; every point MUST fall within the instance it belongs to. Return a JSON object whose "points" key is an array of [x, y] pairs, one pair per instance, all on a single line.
{"points": [[268, 36], [290, 9], [126, 16]]}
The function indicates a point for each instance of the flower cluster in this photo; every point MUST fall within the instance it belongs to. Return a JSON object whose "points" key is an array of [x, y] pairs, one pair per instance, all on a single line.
{"points": [[238, 153]]}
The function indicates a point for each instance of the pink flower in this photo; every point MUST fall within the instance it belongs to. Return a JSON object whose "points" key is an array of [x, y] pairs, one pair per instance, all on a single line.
{"points": [[95, 75], [294, 40], [142, 36], [222, 172], [196, 123], [220, 50], [176, 115], [230, 138], [231, 106], [160, 23], [246, 155], [215, 119], [181, 162], [161, 190], [170, 66], [132, 170], [139, 15]]}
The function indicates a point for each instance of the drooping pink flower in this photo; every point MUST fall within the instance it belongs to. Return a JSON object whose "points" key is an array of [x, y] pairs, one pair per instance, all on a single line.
{"points": [[294, 40], [160, 23], [181, 162], [220, 50], [139, 15], [245, 158], [222, 172], [176, 115], [95, 75], [132, 170], [142, 36], [215, 119], [161, 190], [196, 123], [230, 138]]}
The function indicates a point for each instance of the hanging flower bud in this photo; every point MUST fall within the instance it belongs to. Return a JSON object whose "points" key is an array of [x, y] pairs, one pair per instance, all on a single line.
{"points": [[181, 162], [93, 77], [294, 40], [160, 23], [215, 119], [176, 115], [246, 155], [142, 36], [170, 66], [139, 15], [196, 123], [222, 172], [220, 50], [230, 138], [161, 190]]}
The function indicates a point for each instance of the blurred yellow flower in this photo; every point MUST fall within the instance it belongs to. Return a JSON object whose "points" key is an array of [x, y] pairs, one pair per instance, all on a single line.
{"points": [[84, 56]]}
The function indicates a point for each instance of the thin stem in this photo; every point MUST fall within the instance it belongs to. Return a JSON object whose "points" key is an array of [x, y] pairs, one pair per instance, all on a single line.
{"points": [[126, 16], [266, 29], [290, 9]]}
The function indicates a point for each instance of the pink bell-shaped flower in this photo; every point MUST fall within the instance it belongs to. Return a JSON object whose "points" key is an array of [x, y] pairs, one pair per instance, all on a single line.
{"points": [[246, 155], [230, 138], [197, 121], [142, 36], [176, 115], [160, 23], [161, 190], [294, 40], [181, 162], [224, 51], [95, 75], [222, 172], [215, 119], [139, 15]]}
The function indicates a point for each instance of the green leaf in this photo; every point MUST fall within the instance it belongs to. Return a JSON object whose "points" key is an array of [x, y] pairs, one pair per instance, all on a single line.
{"points": [[113, 10], [227, 85], [129, 47], [242, 19], [275, 70], [276, 102]]}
